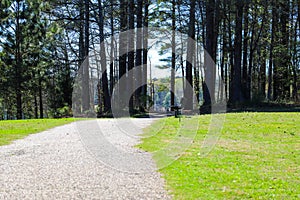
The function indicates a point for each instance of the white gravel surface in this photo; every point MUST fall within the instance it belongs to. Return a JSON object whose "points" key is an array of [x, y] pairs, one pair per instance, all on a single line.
{"points": [[63, 164]]}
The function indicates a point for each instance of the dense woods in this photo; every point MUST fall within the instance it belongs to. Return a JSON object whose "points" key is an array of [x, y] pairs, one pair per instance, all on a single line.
{"points": [[254, 44]]}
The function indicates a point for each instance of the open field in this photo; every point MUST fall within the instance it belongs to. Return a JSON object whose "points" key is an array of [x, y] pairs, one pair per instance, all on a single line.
{"points": [[257, 156], [17, 129]]}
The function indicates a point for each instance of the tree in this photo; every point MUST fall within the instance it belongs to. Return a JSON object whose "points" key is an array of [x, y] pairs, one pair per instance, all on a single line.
{"points": [[85, 10], [131, 54], [236, 82], [254, 44], [104, 79], [145, 46], [139, 54], [188, 93], [209, 82], [23, 33], [173, 61], [122, 42]]}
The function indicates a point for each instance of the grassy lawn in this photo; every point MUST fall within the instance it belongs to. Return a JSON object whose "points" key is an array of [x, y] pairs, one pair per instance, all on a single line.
{"points": [[16, 129], [257, 156]]}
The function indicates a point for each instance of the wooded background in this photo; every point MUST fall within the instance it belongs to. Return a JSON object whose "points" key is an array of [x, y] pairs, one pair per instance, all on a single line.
{"points": [[254, 43]]}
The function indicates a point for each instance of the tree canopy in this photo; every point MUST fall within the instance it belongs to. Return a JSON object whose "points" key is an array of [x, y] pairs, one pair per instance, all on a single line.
{"points": [[254, 45]]}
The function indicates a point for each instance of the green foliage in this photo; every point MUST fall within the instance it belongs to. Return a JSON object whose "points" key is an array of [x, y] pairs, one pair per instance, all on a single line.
{"points": [[25, 27], [65, 111], [41, 56], [61, 112], [257, 156], [167, 101], [162, 88]]}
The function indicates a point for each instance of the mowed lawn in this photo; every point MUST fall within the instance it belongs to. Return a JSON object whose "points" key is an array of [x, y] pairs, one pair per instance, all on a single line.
{"points": [[257, 156], [17, 129]]}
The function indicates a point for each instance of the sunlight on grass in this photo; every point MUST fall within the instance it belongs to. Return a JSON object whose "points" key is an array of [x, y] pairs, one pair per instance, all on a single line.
{"points": [[17, 129], [257, 156]]}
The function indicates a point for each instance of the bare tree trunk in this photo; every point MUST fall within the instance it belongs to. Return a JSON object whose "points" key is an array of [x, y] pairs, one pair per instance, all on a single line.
{"points": [[188, 93], [139, 51], [86, 27], [107, 104], [285, 58], [111, 69], [217, 21], [208, 83], [295, 73], [262, 75], [196, 78], [145, 46], [173, 54], [197, 65], [270, 74], [131, 52], [224, 55], [18, 66], [253, 47], [236, 96], [122, 49], [36, 115], [181, 52], [281, 68], [245, 52], [84, 36], [231, 62], [275, 53], [41, 97]]}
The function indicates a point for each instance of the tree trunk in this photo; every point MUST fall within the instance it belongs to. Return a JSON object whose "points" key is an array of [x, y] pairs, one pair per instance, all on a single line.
{"points": [[224, 55], [236, 96], [122, 50], [111, 69], [217, 21], [281, 68], [208, 83], [145, 46], [270, 73], [262, 75], [188, 93], [107, 104], [131, 52], [295, 72], [36, 114], [18, 65], [123, 39], [285, 58], [41, 96], [276, 53], [139, 51], [84, 38], [67, 79], [245, 52], [173, 54]]}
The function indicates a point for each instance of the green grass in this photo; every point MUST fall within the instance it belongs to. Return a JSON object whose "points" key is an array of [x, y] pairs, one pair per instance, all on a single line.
{"points": [[257, 156], [17, 129]]}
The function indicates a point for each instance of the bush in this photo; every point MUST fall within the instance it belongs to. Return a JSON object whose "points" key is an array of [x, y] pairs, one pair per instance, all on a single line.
{"points": [[62, 112], [65, 111]]}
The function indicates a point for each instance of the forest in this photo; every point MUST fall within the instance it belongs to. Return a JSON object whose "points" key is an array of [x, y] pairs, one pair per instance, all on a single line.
{"points": [[254, 45]]}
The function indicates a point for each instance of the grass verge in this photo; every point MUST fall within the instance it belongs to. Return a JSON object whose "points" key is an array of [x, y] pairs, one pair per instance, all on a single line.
{"points": [[257, 156], [17, 129]]}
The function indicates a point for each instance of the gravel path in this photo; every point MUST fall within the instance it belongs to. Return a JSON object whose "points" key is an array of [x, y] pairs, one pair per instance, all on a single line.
{"points": [[63, 163]]}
